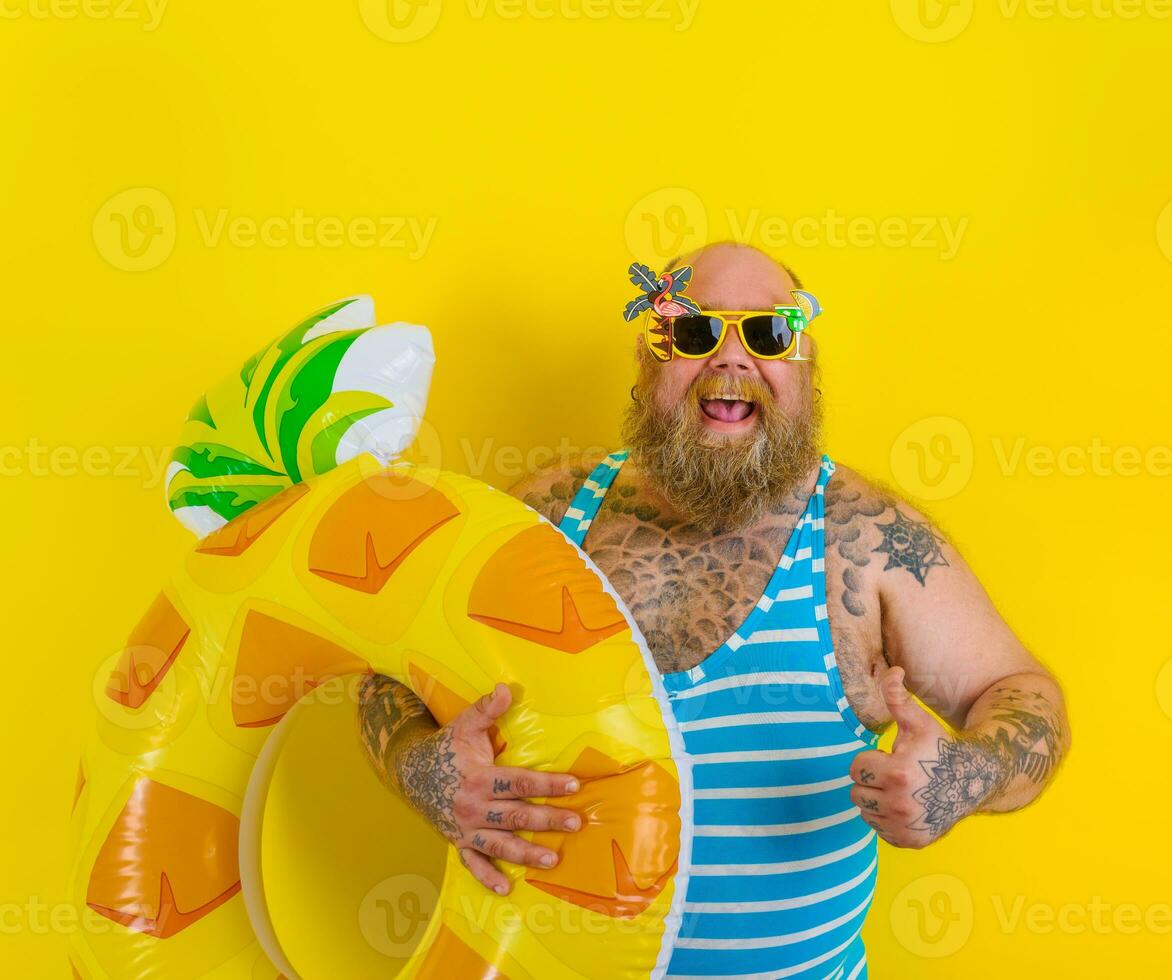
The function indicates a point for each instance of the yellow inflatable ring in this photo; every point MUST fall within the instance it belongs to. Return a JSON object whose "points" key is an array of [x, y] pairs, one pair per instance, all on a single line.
{"points": [[226, 825]]}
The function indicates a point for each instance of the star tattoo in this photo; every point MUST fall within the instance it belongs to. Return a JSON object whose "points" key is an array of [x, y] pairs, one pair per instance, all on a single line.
{"points": [[910, 545]]}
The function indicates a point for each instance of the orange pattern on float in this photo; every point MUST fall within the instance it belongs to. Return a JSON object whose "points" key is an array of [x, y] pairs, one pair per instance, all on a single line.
{"points": [[479, 588]]}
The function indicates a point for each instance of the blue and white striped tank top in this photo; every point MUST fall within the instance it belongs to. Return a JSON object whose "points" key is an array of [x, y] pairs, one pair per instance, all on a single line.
{"points": [[783, 865]]}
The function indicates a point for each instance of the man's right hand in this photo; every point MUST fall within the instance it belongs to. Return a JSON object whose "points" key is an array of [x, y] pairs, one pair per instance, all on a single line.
{"points": [[450, 777]]}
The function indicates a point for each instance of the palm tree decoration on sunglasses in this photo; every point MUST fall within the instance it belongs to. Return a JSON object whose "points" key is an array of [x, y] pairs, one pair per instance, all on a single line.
{"points": [[663, 295]]}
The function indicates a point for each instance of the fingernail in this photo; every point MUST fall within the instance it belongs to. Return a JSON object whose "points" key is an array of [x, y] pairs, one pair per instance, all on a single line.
{"points": [[572, 786], [572, 823], [547, 860], [501, 890]]}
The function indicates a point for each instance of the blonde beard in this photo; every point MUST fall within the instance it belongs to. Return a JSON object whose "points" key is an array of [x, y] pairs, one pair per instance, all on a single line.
{"points": [[716, 482]]}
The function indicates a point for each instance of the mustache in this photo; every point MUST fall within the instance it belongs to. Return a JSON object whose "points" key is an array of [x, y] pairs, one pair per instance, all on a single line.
{"points": [[742, 389]]}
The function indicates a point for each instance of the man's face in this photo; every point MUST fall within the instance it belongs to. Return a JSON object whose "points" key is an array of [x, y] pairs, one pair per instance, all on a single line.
{"points": [[725, 437], [731, 278]]}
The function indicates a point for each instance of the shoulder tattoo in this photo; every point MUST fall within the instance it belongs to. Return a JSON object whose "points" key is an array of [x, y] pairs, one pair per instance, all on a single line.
{"points": [[861, 523]]}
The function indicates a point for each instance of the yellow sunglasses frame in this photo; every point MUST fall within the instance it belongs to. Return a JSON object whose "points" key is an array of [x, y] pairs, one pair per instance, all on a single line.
{"points": [[661, 326]]}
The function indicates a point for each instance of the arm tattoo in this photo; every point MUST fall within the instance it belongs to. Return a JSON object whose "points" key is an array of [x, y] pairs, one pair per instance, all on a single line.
{"points": [[1031, 731], [387, 708], [974, 767], [408, 751], [911, 545], [847, 515], [852, 514]]}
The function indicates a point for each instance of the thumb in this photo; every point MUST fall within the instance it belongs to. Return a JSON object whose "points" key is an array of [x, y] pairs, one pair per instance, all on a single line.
{"points": [[908, 715], [484, 712]]}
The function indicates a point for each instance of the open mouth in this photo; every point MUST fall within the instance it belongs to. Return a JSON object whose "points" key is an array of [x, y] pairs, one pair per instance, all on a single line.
{"points": [[727, 409]]}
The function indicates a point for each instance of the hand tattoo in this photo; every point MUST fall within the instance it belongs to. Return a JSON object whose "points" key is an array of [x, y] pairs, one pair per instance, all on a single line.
{"points": [[429, 780], [866, 776], [968, 771], [494, 816], [500, 785], [974, 767], [872, 805]]}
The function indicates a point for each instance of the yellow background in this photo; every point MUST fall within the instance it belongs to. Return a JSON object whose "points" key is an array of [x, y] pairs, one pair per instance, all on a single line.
{"points": [[545, 152]]}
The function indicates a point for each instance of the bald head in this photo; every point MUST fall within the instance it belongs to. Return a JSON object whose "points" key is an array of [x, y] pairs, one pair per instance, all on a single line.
{"points": [[734, 276]]}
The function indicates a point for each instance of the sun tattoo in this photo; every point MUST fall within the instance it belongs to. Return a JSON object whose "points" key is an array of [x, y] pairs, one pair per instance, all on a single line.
{"points": [[911, 545]]}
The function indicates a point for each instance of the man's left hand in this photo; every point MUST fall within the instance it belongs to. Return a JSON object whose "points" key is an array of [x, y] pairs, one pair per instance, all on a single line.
{"points": [[930, 779]]}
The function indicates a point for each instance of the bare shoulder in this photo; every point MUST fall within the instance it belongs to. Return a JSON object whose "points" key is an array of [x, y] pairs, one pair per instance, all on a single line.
{"points": [[871, 529], [549, 488]]}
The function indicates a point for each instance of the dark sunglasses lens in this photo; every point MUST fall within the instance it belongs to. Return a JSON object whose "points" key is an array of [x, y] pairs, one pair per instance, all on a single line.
{"points": [[696, 335], [767, 336]]}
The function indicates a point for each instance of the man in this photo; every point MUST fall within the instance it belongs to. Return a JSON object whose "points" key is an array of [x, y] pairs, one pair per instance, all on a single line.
{"points": [[791, 605]]}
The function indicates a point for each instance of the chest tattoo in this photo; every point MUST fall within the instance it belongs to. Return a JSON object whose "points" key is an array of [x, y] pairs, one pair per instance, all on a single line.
{"points": [[687, 588]]}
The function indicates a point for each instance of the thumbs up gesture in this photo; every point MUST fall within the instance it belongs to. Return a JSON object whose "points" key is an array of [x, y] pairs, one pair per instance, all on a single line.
{"points": [[930, 779]]}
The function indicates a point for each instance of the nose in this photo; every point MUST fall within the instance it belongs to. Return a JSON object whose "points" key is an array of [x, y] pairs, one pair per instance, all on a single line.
{"points": [[731, 357]]}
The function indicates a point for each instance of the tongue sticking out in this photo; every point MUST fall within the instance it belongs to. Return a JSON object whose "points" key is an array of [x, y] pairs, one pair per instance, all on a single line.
{"points": [[726, 411]]}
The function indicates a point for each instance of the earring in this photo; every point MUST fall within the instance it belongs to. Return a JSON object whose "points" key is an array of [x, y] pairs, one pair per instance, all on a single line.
{"points": [[634, 398]]}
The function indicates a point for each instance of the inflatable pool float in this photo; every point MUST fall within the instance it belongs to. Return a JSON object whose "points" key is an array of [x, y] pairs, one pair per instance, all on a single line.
{"points": [[226, 824]]}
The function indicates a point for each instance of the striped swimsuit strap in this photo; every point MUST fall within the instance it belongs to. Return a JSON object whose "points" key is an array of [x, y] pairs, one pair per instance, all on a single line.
{"points": [[587, 500]]}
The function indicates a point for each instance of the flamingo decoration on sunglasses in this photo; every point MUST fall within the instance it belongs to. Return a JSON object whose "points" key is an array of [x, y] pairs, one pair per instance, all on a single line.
{"points": [[662, 295], [663, 303]]}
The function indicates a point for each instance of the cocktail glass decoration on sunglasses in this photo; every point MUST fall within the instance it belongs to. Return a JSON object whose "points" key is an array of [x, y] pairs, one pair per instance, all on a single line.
{"points": [[675, 326], [808, 307]]}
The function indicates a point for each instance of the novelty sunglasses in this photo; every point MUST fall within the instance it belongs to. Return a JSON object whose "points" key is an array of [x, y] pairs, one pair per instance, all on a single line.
{"points": [[768, 336]]}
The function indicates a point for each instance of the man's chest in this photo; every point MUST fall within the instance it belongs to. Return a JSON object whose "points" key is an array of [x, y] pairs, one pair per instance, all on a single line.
{"points": [[689, 592]]}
